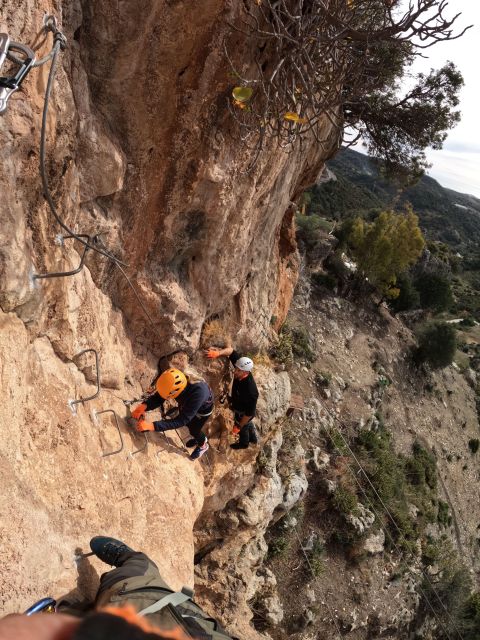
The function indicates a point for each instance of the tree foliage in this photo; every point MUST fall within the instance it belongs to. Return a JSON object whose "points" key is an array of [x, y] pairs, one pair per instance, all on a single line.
{"points": [[408, 298], [397, 130], [435, 291], [386, 247], [437, 344], [342, 60]]}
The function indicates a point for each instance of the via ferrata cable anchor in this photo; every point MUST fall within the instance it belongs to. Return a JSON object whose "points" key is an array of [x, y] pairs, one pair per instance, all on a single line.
{"points": [[10, 84]]}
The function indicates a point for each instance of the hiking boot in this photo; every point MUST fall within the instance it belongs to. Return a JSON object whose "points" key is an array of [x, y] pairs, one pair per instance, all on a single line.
{"points": [[191, 443], [252, 434], [237, 445], [199, 451], [108, 549]]}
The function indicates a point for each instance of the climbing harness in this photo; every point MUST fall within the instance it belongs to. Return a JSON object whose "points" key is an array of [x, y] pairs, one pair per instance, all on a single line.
{"points": [[10, 84], [204, 415], [173, 599]]}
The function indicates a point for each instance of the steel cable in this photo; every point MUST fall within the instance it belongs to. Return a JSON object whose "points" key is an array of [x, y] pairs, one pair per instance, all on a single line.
{"points": [[387, 513], [332, 613], [59, 43]]}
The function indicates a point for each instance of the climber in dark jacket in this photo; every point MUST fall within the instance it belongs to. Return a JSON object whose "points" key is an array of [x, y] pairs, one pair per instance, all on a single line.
{"points": [[133, 602], [195, 404], [243, 400]]}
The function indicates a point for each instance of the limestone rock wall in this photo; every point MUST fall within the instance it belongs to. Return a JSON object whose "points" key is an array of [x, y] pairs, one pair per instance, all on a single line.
{"points": [[141, 150]]}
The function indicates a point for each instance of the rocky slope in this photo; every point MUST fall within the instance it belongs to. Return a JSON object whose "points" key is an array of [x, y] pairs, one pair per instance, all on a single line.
{"points": [[361, 381], [140, 149]]}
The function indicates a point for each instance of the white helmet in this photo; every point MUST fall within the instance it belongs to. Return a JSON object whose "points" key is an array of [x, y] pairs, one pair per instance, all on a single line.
{"points": [[244, 364]]}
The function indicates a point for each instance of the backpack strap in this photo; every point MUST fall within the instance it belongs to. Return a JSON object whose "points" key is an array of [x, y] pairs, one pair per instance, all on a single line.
{"points": [[173, 598]]}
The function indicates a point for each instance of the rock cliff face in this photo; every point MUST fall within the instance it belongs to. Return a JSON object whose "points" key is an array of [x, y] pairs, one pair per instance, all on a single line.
{"points": [[140, 149]]}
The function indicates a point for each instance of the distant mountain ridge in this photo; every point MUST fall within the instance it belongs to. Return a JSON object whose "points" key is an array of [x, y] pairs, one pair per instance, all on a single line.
{"points": [[359, 188]]}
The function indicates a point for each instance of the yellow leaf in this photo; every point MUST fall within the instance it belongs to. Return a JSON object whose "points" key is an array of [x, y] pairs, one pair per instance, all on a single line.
{"points": [[242, 94], [240, 105], [294, 117]]}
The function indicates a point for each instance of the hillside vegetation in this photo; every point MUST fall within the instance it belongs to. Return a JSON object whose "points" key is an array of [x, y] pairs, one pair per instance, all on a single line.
{"points": [[450, 221]]}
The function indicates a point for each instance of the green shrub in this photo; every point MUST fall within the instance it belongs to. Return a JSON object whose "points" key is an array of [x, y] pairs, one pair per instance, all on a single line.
{"points": [[326, 280], [470, 618], [436, 344], [282, 351], [435, 291], [408, 298], [397, 483], [311, 228], [468, 322], [292, 341], [315, 557], [337, 442], [473, 445], [444, 518], [432, 550], [344, 501], [301, 344], [421, 468], [448, 594], [278, 546], [323, 379]]}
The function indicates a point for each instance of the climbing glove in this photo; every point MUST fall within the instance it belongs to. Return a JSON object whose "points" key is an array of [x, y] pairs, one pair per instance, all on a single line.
{"points": [[236, 429], [139, 411], [143, 425], [212, 353]]}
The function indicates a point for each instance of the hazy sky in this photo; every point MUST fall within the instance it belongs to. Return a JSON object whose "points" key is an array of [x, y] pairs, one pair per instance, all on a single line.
{"points": [[457, 165]]}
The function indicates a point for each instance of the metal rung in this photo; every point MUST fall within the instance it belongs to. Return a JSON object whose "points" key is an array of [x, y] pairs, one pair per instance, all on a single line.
{"points": [[132, 453], [62, 274], [72, 403], [98, 413]]}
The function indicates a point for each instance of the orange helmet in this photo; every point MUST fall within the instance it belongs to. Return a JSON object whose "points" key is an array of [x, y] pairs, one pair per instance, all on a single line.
{"points": [[171, 383]]}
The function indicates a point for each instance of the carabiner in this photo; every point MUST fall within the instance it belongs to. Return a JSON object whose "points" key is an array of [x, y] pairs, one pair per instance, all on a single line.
{"points": [[45, 605], [9, 85]]}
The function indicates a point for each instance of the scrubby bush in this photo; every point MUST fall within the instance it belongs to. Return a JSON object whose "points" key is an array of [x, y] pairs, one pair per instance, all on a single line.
{"points": [[436, 344], [444, 518], [337, 442], [292, 342], [323, 379], [396, 482], [448, 592], [470, 618], [310, 229], [315, 557], [301, 344], [421, 467], [408, 298], [326, 280], [282, 350], [345, 501], [435, 291], [278, 546]]}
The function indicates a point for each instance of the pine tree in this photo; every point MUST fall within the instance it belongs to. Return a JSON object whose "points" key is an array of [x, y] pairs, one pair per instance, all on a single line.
{"points": [[385, 248]]}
